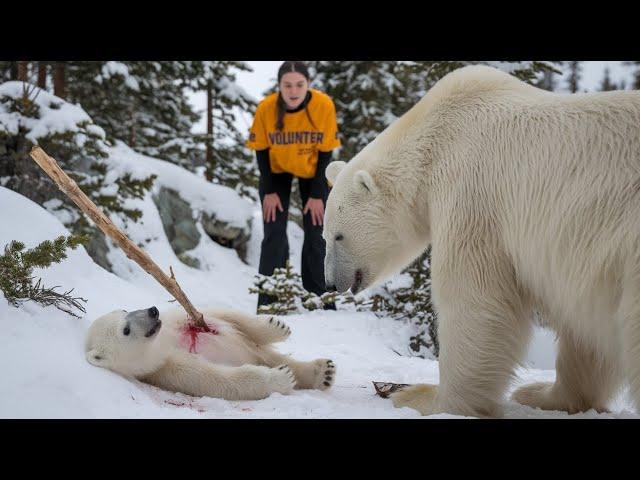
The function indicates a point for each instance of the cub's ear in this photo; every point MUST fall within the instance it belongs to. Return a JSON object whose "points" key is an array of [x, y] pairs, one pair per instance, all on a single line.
{"points": [[95, 357], [332, 171], [364, 182]]}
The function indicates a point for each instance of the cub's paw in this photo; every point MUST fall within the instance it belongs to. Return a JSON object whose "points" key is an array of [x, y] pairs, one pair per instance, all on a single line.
{"points": [[325, 373], [279, 325], [282, 379]]}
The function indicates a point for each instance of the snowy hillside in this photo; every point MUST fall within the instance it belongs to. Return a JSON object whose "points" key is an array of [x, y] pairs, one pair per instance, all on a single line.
{"points": [[223, 278], [45, 374]]}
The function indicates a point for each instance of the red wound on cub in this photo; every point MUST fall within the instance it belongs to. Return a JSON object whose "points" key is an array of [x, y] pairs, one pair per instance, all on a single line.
{"points": [[190, 333]]}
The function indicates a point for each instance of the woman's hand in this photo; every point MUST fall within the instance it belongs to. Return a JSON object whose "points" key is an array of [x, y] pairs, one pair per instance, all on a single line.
{"points": [[270, 203], [316, 207]]}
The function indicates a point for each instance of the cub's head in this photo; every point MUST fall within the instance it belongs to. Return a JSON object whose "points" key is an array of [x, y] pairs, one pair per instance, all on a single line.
{"points": [[124, 342]]}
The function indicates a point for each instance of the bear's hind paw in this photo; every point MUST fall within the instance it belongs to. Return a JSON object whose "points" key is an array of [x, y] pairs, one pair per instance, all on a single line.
{"points": [[326, 373]]}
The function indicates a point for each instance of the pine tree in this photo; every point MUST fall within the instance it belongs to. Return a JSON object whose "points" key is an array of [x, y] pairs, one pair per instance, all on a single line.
{"points": [[145, 105], [575, 74], [7, 70], [23, 71], [606, 84], [16, 273], [59, 80], [42, 75], [79, 146], [367, 96], [17, 70], [547, 81], [635, 85], [165, 117], [105, 90], [142, 104], [222, 150]]}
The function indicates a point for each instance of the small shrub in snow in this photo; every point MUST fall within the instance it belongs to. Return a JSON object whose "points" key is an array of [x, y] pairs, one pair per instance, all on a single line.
{"points": [[16, 273], [285, 285]]}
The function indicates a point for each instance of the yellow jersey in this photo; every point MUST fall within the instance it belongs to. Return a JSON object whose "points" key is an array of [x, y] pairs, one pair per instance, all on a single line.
{"points": [[295, 148]]}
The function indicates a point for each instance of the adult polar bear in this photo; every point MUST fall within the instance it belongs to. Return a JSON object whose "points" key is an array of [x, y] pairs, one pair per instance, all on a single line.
{"points": [[531, 200]]}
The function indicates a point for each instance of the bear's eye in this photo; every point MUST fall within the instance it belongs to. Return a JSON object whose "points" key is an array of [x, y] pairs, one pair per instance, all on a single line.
{"points": [[126, 330], [339, 237], [97, 357]]}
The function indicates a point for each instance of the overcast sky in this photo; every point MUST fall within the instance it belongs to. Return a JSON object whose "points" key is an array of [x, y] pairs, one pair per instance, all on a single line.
{"points": [[264, 76]]}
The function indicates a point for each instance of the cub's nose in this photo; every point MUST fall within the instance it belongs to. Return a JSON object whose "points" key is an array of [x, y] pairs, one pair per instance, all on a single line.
{"points": [[153, 312]]}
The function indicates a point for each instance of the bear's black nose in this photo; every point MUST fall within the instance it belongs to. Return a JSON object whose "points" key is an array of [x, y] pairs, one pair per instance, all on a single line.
{"points": [[153, 312]]}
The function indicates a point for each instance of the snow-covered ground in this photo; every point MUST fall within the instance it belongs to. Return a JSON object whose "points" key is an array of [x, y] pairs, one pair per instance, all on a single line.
{"points": [[45, 375]]}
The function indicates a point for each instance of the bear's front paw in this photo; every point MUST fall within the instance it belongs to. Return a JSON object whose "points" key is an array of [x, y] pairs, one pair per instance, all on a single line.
{"points": [[536, 395], [282, 379], [420, 397]]}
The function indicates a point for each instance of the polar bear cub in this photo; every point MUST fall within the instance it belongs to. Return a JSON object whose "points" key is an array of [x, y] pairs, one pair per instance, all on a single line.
{"points": [[234, 361]]}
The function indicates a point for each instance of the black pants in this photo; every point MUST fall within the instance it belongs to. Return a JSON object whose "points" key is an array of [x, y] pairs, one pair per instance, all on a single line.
{"points": [[275, 244]]}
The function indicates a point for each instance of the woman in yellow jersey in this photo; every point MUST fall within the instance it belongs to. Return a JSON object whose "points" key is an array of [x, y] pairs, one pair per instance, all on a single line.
{"points": [[293, 134]]}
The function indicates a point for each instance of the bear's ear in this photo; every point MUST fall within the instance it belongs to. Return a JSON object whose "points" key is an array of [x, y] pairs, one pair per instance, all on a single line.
{"points": [[364, 182], [332, 171]]}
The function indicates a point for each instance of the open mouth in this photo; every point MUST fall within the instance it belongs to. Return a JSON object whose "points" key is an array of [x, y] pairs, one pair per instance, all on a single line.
{"points": [[355, 288], [153, 330]]}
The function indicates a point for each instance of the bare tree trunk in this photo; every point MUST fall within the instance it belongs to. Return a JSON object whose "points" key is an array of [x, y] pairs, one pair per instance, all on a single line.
{"points": [[209, 156], [58, 79], [14, 70], [71, 189], [23, 70], [42, 75]]}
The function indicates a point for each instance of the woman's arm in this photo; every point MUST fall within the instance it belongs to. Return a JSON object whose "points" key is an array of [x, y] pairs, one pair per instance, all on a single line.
{"points": [[262, 156], [319, 182], [271, 201]]}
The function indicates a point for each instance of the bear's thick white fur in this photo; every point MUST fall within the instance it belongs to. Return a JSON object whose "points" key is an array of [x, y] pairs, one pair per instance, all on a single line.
{"points": [[237, 362], [531, 201]]}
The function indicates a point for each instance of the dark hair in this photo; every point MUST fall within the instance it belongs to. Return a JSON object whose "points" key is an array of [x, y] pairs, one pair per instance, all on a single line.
{"points": [[281, 106]]}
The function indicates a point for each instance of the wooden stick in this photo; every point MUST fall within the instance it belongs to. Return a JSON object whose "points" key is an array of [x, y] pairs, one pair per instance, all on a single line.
{"points": [[71, 189]]}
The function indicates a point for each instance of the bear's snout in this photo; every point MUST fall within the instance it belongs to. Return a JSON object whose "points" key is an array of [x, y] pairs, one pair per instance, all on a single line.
{"points": [[153, 312], [154, 329]]}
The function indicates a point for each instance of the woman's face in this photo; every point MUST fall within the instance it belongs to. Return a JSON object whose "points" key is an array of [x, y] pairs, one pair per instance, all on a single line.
{"points": [[293, 88]]}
